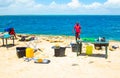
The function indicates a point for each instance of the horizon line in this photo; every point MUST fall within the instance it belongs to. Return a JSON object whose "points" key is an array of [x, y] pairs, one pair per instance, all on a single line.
{"points": [[60, 14]]}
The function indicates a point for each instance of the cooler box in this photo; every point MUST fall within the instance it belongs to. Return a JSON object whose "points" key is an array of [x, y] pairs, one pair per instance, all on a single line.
{"points": [[89, 49], [29, 53], [59, 52], [21, 51]]}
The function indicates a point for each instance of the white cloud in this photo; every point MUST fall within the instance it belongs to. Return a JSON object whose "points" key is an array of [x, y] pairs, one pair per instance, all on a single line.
{"points": [[112, 4], [21, 7], [5, 3], [53, 5], [73, 7], [24, 4], [94, 5], [74, 4]]}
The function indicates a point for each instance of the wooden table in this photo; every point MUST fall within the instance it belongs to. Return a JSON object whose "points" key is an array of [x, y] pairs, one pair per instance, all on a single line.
{"points": [[2, 37], [100, 44]]}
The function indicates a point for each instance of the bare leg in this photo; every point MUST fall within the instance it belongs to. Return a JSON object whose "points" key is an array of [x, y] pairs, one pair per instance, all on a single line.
{"points": [[76, 37], [15, 36]]}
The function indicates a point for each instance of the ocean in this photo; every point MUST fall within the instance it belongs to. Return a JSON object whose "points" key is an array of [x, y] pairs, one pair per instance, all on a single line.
{"points": [[93, 26]]}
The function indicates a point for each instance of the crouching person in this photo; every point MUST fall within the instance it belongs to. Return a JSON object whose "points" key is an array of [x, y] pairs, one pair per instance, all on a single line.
{"points": [[11, 31]]}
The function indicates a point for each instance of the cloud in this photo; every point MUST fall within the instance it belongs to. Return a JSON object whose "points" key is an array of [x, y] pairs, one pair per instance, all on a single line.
{"points": [[25, 4], [21, 7], [74, 4], [94, 5], [112, 4], [5, 3], [107, 4], [72, 7], [53, 5]]}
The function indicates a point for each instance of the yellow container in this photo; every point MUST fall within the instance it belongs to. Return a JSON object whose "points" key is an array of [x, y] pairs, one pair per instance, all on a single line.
{"points": [[89, 49], [29, 53]]}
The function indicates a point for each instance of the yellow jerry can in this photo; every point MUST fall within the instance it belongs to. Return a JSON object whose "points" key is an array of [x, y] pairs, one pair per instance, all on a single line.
{"points": [[89, 49], [29, 53]]}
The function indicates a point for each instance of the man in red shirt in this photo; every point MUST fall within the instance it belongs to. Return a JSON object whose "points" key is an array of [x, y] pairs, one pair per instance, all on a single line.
{"points": [[12, 32], [77, 29]]}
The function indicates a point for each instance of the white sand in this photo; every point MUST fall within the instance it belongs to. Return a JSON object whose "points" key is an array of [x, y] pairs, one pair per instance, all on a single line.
{"points": [[70, 66]]}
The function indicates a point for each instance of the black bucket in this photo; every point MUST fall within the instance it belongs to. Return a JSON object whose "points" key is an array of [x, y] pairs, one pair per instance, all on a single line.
{"points": [[21, 51], [60, 52], [76, 47]]}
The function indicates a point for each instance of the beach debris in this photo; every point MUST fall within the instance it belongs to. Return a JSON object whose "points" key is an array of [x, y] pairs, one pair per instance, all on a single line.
{"points": [[27, 59], [23, 36], [109, 61], [27, 38], [37, 60], [54, 39], [41, 49], [113, 47], [75, 64], [91, 62], [97, 48], [41, 61]]}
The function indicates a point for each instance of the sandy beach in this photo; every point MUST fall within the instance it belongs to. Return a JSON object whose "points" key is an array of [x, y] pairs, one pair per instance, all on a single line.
{"points": [[69, 66]]}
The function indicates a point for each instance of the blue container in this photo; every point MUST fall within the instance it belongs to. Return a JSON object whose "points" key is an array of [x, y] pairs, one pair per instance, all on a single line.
{"points": [[6, 35]]}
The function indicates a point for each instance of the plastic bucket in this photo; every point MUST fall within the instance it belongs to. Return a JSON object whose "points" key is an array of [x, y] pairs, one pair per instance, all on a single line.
{"points": [[29, 53], [60, 52], [76, 47], [89, 49], [20, 51]]}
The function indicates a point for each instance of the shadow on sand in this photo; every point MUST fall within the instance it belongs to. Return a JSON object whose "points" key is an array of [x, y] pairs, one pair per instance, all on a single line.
{"points": [[8, 45], [93, 55]]}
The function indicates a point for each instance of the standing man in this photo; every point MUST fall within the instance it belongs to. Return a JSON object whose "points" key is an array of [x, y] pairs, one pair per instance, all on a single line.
{"points": [[77, 29]]}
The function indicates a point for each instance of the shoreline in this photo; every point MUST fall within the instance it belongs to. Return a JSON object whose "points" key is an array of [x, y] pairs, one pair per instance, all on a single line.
{"points": [[51, 35]]}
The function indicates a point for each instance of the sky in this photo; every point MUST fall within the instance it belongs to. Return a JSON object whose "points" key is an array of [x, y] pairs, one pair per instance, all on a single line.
{"points": [[59, 7]]}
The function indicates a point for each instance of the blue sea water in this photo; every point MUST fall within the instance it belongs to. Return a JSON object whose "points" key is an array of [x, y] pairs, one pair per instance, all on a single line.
{"points": [[93, 26]]}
